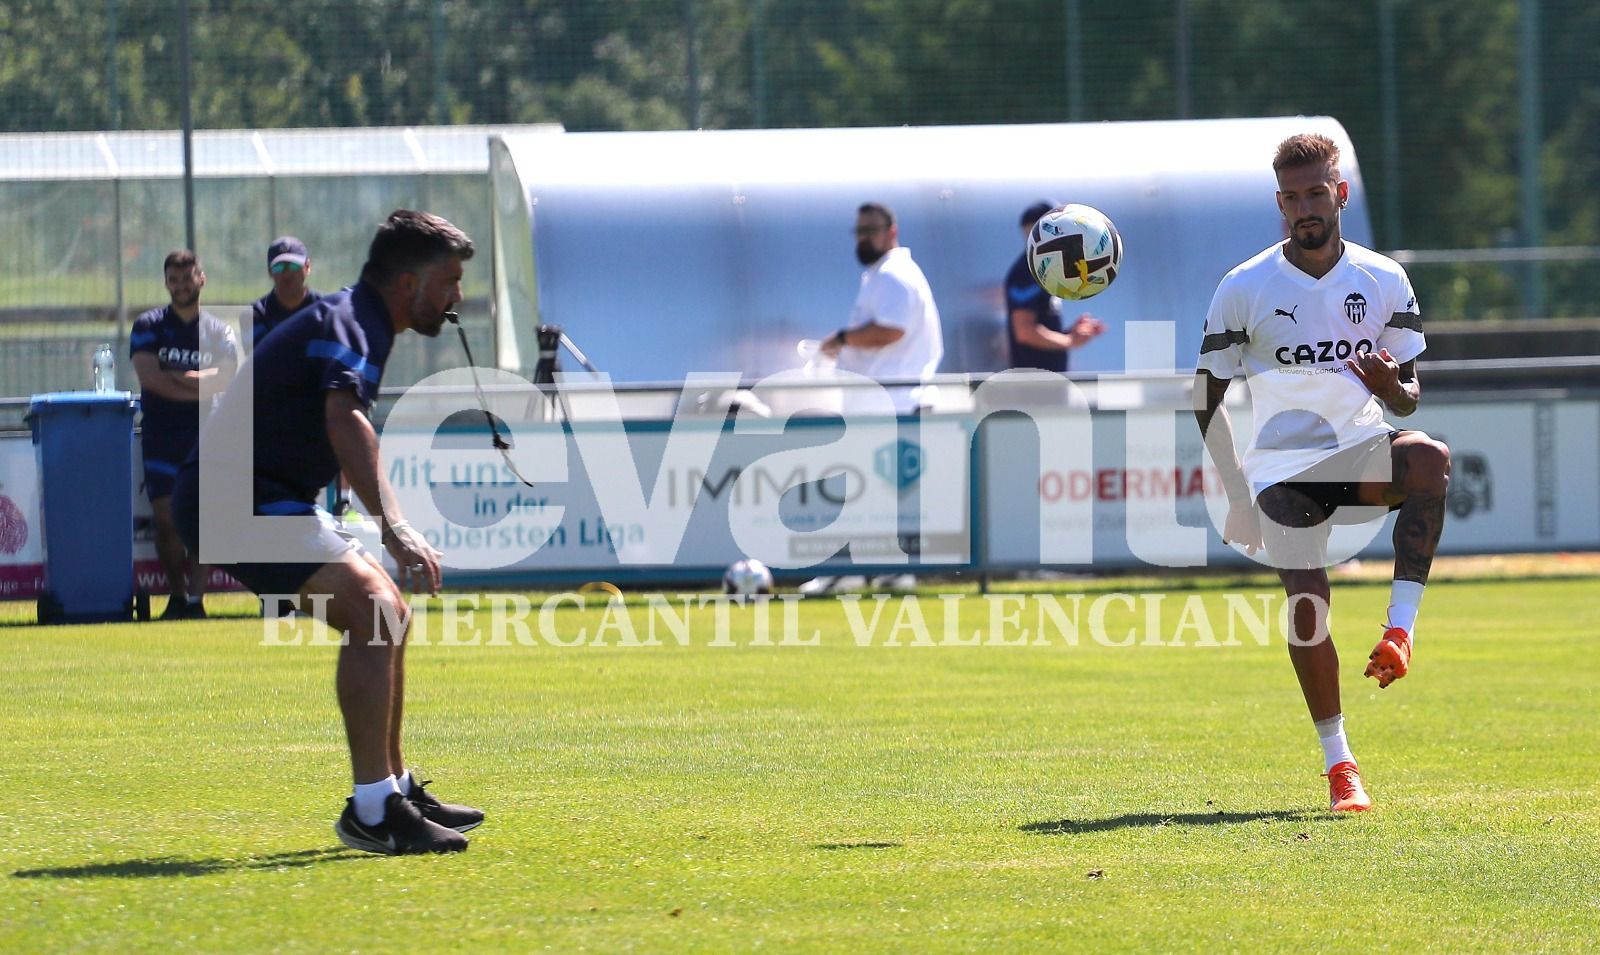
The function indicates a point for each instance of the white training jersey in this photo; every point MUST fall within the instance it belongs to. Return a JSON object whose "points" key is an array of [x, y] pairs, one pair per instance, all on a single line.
{"points": [[1291, 334], [894, 293]]}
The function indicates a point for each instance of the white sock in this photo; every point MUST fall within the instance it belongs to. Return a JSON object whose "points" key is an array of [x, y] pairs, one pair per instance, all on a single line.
{"points": [[1405, 599], [403, 783], [1335, 748], [370, 797]]}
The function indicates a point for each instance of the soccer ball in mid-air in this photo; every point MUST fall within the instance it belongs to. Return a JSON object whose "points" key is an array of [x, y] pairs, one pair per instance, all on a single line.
{"points": [[746, 578], [1074, 251]]}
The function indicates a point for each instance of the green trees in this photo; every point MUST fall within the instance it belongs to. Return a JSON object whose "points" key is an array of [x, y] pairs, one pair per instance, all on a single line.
{"points": [[1447, 154]]}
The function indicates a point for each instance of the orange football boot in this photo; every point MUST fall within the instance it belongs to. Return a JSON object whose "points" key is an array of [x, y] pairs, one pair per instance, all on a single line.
{"points": [[1391, 658], [1345, 792]]}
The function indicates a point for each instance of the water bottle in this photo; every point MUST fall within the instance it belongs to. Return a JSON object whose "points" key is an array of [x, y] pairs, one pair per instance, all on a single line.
{"points": [[105, 369]]}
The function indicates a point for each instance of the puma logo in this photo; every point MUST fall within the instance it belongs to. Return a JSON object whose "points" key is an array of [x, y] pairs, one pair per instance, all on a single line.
{"points": [[1289, 314]]}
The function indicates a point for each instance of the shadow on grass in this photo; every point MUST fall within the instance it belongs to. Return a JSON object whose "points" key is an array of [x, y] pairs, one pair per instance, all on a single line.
{"points": [[169, 866], [30, 620], [1155, 820], [837, 846]]}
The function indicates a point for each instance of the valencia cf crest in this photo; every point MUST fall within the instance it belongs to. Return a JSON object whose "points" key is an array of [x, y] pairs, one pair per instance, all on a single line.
{"points": [[1355, 307]]}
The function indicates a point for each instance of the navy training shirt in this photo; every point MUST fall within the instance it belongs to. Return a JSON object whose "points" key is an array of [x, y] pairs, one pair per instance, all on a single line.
{"points": [[267, 313], [206, 342], [1023, 292], [340, 342]]}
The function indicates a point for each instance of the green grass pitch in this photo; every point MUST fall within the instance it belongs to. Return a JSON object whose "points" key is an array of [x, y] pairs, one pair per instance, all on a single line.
{"points": [[173, 787]]}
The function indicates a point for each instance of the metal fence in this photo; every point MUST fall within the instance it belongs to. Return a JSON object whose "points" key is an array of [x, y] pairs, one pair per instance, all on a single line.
{"points": [[90, 217], [1475, 119]]}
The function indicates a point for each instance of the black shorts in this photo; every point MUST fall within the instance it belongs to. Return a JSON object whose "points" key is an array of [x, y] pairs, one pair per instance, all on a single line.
{"points": [[163, 451], [321, 545], [158, 478], [1371, 458]]}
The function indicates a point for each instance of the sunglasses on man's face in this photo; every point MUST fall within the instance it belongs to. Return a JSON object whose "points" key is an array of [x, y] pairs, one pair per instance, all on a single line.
{"points": [[278, 268]]}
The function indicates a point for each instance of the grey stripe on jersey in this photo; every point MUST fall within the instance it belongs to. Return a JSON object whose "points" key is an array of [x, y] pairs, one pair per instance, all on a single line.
{"points": [[1409, 320], [1222, 340]]}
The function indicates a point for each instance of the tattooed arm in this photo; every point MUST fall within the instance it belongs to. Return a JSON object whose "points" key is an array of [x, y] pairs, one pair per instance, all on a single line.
{"points": [[1395, 384]]}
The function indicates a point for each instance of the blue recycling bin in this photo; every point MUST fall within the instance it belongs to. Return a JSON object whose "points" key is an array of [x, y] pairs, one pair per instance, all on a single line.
{"points": [[83, 441]]}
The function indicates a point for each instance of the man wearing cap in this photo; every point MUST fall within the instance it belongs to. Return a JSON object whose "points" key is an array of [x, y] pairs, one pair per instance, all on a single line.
{"points": [[1033, 316], [288, 265]]}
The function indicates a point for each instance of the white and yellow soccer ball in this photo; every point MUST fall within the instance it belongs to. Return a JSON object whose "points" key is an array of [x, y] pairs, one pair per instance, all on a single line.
{"points": [[1074, 252], [747, 578]]}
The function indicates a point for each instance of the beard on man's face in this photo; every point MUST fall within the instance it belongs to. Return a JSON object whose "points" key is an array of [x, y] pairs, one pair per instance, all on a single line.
{"points": [[428, 323], [426, 319], [1313, 239], [867, 253]]}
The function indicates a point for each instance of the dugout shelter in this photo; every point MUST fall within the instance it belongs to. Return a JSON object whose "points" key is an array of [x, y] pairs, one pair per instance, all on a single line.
{"points": [[663, 253]]}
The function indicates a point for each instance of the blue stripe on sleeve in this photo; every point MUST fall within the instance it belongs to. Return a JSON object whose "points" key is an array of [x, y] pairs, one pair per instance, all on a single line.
{"points": [[277, 508], [322, 348], [160, 467]]}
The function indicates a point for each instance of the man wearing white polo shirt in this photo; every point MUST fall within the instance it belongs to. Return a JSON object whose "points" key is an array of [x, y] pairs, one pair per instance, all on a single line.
{"points": [[893, 336], [894, 332]]}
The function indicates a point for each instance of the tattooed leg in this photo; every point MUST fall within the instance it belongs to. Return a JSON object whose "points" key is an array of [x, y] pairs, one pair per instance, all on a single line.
{"points": [[1422, 475]]}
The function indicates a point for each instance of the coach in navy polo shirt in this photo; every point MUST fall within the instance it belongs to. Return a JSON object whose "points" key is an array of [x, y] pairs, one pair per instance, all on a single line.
{"points": [[289, 267], [304, 398], [184, 357]]}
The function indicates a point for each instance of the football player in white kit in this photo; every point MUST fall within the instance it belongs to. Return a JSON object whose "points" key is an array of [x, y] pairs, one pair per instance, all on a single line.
{"points": [[1327, 334]]}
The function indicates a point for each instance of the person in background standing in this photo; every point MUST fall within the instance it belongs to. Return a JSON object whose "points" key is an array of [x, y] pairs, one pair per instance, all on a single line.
{"points": [[183, 357], [1033, 316]]}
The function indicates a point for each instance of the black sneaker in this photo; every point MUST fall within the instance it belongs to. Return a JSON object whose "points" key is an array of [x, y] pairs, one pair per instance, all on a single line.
{"points": [[178, 609], [449, 815], [402, 832]]}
